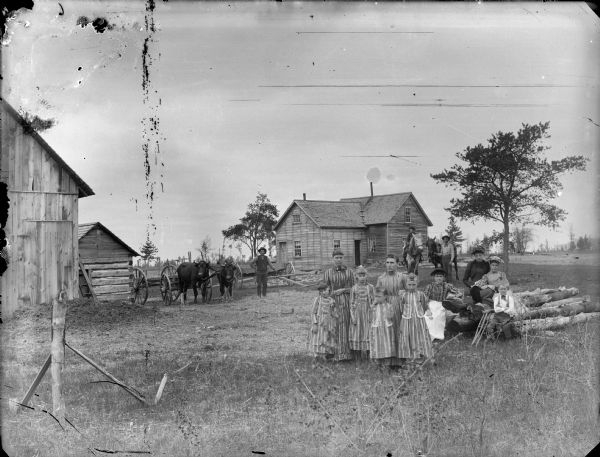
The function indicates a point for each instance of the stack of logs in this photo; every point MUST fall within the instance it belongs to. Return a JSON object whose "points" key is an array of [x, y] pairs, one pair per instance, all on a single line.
{"points": [[545, 309]]}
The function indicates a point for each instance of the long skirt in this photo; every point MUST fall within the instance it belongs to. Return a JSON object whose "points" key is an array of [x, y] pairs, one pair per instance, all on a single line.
{"points": [[382, 342], [342, 347], [413, 339], [324, 341], [359, 331]]}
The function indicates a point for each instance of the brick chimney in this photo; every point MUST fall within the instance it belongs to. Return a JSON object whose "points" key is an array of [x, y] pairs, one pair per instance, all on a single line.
{"points": [[371, 183], [303, 196]]}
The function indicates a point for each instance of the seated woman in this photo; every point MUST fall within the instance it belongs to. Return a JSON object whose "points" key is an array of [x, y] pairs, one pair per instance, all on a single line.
{"points": [[489, 282], [475, 270]]}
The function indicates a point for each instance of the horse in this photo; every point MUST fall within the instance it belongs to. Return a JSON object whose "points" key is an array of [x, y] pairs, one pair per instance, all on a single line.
{"points": [[433, 252], [189, 274], [413, 253], [226, 276]]}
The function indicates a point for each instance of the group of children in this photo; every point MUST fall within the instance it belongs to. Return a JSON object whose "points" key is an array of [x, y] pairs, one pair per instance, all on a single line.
{"points": [[393, 322], [387, 321]]}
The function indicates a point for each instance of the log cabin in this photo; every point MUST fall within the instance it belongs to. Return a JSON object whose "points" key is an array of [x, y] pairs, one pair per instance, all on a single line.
{"points": [[107, 261], [366, 229], [41, 229]]}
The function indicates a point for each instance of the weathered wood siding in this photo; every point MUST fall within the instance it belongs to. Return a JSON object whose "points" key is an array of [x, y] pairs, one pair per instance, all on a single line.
{"points": [[346, 237], [108, 264], [397, 228], [309, 236], [377, 243], [42, 223]]}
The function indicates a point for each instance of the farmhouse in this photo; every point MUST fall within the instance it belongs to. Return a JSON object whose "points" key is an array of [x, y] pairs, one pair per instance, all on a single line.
{"points": [[107, 261], [366, 229], [42, 225]]}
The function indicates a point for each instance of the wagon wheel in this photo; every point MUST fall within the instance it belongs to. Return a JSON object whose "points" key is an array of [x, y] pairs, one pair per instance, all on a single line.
{"points": [[238, 277], [139, 290], [166, 288]]}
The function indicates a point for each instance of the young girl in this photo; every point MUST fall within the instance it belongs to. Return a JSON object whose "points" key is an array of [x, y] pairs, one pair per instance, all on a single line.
{"points": [[323, 338], [382, 347], [413, 337], [362, 296]]}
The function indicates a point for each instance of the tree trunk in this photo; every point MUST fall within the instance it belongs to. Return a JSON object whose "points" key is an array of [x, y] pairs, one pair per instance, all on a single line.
{"points": [[505, 241], [564, 310], [554, 323]]}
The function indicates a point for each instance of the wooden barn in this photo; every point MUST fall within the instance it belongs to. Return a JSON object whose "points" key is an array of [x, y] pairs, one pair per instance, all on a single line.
{"points": [[106, 260], [42, 225], [366, 229]]}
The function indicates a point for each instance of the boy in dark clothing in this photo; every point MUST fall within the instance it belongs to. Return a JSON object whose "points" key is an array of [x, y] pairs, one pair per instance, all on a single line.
{"points": [[260, 264]]}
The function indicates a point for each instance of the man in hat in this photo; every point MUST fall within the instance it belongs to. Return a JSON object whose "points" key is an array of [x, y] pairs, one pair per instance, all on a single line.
{"points": [[447, 256], [261, 264], [341, 279]]}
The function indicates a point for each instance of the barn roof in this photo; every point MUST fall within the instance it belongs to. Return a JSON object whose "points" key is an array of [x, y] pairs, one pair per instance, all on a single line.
{"points": [[83, 230], [380, 209], [84, 189], [328, 214]]}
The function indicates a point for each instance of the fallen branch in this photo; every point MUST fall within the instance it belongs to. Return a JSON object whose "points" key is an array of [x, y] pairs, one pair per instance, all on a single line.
{"points": [[127, 388], [291, 281]]}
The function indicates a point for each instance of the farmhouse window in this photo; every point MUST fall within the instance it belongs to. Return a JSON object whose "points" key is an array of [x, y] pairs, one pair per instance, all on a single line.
{"points": [[371, 244], [295, 218], [297, 249], [336, 244], [407, 215]]}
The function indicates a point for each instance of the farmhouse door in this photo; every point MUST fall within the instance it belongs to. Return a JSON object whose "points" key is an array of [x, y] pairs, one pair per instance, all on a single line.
{"points": [[282, 251], [357, 252]]}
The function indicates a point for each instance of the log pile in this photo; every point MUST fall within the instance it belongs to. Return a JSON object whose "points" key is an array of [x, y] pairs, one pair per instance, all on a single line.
{"points": [[545, 309]]}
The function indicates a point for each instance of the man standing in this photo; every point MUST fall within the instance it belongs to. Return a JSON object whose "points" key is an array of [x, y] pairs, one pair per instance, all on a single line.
{"points": [[260, 264], [447, 256]]}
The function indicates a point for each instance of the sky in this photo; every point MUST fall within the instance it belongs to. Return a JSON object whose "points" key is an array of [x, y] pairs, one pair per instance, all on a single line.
{"points": [[271, 97]]}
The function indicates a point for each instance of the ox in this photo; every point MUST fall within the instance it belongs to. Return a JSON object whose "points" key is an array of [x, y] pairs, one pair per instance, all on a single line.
{"points": [[189, 274], [434, 252], [226, 279]]}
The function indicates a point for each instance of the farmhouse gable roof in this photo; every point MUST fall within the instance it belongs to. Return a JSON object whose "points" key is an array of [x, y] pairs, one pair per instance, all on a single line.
{"points": [[328, 214], [84, 229], [84, 189], [380, 209]]}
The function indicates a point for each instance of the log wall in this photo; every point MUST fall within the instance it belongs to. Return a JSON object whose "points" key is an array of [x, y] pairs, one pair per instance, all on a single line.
{"points": [[108, 264], [42, 223]]}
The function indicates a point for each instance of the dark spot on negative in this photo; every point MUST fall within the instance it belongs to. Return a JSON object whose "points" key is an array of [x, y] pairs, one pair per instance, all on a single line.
{"points": [[100, 24], [78, 68], [82, 21]]}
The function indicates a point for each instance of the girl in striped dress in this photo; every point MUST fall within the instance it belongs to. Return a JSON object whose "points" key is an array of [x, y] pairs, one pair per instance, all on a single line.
{"points": [[362, 296], [413, 337], [382, 347], [322, 337], [341, 279]]}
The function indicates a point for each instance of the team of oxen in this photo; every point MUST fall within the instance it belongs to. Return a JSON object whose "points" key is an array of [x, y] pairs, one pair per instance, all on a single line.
{"points": [[199, 273]]}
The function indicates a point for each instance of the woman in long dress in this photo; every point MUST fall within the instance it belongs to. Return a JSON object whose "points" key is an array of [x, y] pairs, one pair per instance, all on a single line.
{"points": [[362, 296], [413, 337], [341, 279]]}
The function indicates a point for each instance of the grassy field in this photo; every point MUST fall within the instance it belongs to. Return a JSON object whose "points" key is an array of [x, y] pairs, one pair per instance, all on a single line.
{"points": [[240, 381]]}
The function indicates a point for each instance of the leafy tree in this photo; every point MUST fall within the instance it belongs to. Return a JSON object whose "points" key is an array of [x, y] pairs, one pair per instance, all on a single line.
{"points": [[257, 224], [454, 231], [148, 250], [520, 238], [509, 180], [204, 248]]}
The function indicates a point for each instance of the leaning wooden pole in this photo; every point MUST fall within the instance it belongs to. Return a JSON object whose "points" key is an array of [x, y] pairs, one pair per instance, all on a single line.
{"points": [[57, 351]]}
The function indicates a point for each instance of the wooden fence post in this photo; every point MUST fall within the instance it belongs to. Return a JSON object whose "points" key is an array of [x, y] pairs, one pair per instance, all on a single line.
{"points": [[59, 311]]}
